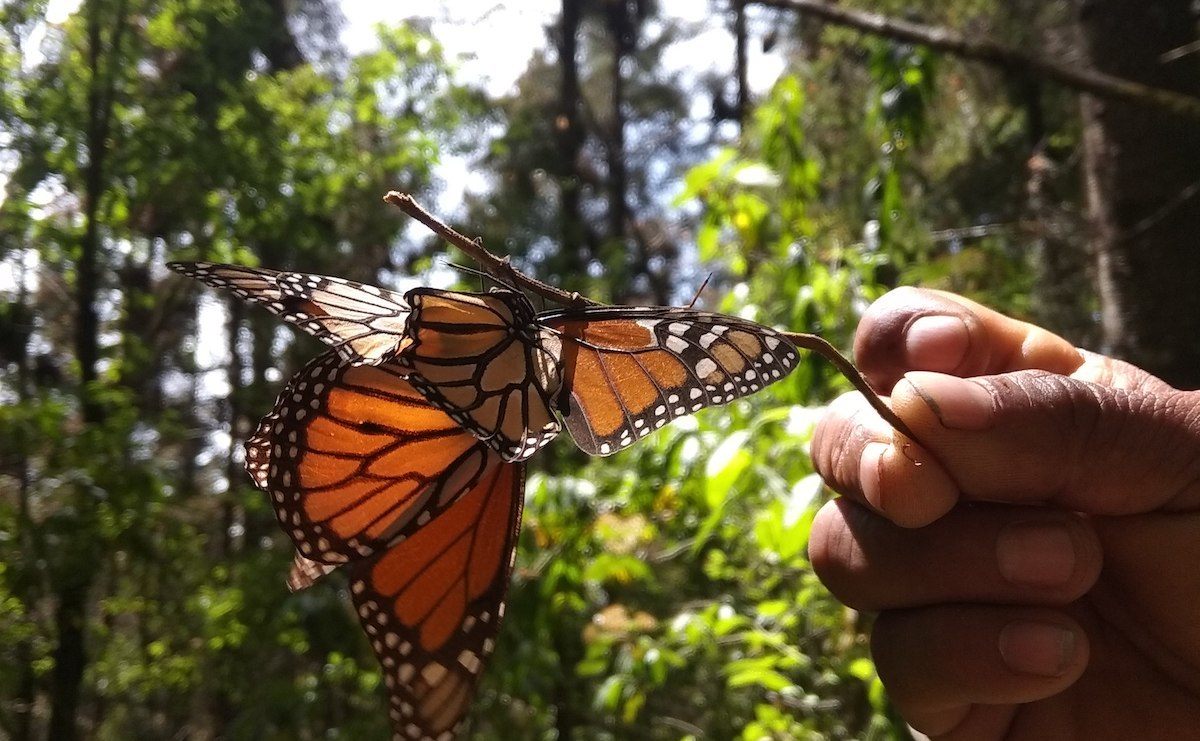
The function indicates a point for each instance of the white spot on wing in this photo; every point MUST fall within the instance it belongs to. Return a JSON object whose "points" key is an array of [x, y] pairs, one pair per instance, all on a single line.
{"points": [[675, 344]]}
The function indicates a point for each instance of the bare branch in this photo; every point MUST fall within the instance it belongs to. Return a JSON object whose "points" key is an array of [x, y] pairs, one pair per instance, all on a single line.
{"points": [[1180, 52], [821, 347], [991, 52], [498, 267]]}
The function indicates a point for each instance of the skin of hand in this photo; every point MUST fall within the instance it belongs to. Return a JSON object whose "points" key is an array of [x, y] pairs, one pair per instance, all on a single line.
{"points": [[1035, 561]]}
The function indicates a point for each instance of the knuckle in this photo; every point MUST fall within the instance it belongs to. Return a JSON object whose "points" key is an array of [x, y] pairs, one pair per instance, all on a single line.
{"points": [[1097, 429], [838, 438]]}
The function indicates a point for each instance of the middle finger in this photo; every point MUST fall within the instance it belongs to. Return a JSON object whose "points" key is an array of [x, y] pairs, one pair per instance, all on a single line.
{"points": [[977, 553]]}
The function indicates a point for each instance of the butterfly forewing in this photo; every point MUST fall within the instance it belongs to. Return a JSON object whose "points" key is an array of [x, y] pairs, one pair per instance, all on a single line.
{"points": [[431, 606], [364, 323], [483, 359], [353, 457], [629, 371], [305, 572]]}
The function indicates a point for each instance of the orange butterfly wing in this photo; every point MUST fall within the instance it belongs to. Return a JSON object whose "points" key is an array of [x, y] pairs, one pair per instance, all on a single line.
{"points": [[361, 469], [432, 605], [353, 457], [365, 324], [628, 371], [483, 359]]}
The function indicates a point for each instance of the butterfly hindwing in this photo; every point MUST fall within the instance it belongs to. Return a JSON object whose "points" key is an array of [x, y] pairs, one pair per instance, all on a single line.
{"points": [[363, 322], [484, 359], [431, 605], [629, 371]]}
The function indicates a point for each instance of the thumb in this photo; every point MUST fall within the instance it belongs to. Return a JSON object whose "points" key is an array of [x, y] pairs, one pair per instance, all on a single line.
{"points": [[1033, 437]]}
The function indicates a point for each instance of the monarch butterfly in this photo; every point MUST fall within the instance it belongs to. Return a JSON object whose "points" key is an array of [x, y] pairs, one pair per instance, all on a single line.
{"points": [[503, 371], [364, 323], [614, 373], [361, 469], [402, 458]]}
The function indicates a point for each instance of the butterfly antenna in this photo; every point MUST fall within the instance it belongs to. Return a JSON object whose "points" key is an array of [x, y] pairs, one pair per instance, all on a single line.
{"points": [[482, 275], [462, 268], [700, 290]]}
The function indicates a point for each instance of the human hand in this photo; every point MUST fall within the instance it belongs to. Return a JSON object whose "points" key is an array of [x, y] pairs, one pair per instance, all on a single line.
{"points": [[1036, 567]]}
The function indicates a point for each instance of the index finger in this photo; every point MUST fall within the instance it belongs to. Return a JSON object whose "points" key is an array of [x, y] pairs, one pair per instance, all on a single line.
{"points": [[1026, 459], [923, 329]]}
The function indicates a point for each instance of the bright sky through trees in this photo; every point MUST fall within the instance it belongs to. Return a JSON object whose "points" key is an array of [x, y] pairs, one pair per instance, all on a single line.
{"points": [[495, 39]]}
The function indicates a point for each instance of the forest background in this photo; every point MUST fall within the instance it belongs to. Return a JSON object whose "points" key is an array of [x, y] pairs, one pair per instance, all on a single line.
{"points": [[1042, 157]]}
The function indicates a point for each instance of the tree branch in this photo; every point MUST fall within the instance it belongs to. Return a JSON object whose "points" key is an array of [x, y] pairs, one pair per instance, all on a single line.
{"points": [[993, 53], [821, 346], [498, 267]]}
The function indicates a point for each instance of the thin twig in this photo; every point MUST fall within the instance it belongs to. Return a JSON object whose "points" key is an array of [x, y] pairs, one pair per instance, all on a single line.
{"points": [[978, 231], [1162, 212], [821, 347], [498, 267], [1180, 52], [996, 54], [679, 724]]}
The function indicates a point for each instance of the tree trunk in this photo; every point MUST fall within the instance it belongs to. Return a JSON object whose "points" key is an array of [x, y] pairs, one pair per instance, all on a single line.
{"points": [[741, 61], [31, 550], [569, 128], [1142, 175], [70, 618], [280, 47], [619, 26], [234, 473], [70, 659]]}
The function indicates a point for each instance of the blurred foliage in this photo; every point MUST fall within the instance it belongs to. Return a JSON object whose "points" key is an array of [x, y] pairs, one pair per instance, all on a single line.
{"points": [[664, 593]]}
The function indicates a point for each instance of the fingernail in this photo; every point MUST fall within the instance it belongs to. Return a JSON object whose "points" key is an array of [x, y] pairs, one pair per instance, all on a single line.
{"points": [[1036, 554], [958, 403], [1043, 649], [937, 342], [869, 466]]}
